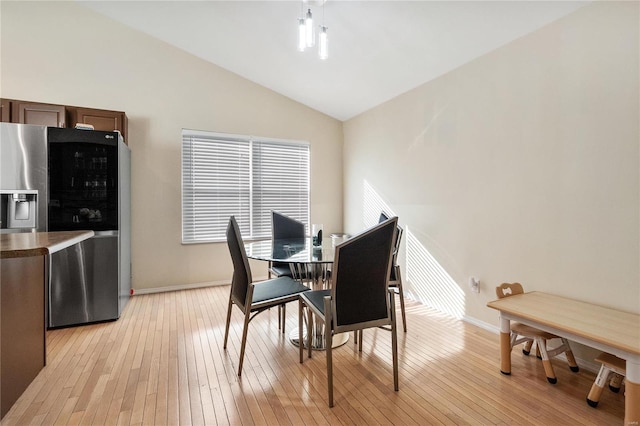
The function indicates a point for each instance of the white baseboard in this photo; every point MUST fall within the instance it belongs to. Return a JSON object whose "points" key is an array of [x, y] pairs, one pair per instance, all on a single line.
{"points": [[484, 325], [178, 287]]}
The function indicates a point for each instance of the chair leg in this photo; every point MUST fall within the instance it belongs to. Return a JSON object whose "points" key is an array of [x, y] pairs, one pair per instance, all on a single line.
{"points": [[309, 331], [328, 348], [598, 385], [546, 362], [300, 335], [361, 334], [283, 317], [280, 317], [245, 330], [615, 383], [226, 329], [527, 347], [394, 342], [401, 292], [512, 339], [571, 360]]}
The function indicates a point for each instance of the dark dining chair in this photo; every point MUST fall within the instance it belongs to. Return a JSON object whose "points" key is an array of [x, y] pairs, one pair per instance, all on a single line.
{"points": [[252, 298], [284, 227], [359, 297]]}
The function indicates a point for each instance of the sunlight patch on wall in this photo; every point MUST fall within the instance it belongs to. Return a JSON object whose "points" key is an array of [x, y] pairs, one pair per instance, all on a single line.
{"points": [[373, 205], [428, 282]]}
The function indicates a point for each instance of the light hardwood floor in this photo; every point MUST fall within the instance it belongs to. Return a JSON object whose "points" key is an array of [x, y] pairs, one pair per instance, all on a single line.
{"points": [[162, 362]]}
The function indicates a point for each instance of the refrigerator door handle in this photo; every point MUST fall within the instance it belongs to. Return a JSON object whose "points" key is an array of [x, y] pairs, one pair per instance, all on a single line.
{"points": [[102, 234]]}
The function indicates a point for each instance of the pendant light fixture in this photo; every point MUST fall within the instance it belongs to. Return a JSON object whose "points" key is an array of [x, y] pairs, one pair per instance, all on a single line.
{"points": [[306, 31], [310, 33], [302, 35], [323, 49]]}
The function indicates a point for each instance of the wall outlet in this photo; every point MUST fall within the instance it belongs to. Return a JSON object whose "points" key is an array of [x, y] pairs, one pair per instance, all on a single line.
{"points": [[474, 284]]}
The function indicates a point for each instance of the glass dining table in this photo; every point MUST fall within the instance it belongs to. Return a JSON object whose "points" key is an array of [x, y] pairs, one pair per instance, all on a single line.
{"points": [[309, 263]]}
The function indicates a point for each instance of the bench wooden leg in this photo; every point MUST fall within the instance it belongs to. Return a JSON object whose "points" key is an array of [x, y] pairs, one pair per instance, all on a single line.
{"points": [[505, 353], [631, 403], [632, 392]]}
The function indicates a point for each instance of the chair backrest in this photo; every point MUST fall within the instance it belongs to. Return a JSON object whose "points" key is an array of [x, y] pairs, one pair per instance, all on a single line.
{"points": [[241, 271], [285, 227], [396, 246], [508, 289], [360, 274]]}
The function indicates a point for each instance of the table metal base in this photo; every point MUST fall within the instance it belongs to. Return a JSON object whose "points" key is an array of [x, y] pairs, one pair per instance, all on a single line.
{"points": [[317, 342]]}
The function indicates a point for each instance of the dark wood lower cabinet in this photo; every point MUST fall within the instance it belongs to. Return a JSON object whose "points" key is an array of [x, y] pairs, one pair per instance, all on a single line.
{"points": [[22, 326]]}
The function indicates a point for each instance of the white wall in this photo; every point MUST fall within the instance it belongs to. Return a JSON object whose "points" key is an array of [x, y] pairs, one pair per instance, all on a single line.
{"points": [[62, 53], [522, 165]]}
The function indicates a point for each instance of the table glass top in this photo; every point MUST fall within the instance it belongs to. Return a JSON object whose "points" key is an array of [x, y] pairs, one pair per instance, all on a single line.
{"points": [[291, 251]]}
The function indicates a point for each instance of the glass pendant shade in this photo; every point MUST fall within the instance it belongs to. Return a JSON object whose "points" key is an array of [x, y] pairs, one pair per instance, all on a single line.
{"points": [[309, 29], [323, 50], [302, 35]]}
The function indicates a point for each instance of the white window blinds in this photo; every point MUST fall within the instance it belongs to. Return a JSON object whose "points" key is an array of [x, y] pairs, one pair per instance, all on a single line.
{"points": [[243, 176]]}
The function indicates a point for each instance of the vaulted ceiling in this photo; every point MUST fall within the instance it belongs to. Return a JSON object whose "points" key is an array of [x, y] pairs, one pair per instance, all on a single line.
{"points": [[377, 49]]}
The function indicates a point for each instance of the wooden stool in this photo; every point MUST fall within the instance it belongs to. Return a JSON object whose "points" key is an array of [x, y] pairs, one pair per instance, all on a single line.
{"points": [[610, 363]]}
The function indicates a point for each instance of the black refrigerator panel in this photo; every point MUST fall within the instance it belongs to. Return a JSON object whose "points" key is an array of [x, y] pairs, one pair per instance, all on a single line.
{"points": [[83, 180]]}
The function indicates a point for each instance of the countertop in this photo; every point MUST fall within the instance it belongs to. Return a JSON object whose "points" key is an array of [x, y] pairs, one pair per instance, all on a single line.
{"points": [[39, 243]]}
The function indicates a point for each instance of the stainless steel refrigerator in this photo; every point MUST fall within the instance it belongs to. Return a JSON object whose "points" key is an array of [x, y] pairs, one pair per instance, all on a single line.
{"points": [[82, 181]]}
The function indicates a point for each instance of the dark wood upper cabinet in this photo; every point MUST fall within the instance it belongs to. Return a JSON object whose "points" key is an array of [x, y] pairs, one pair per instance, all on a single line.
{"points": [[5, 110], [16, 111], [37, 113], [100, 119]]}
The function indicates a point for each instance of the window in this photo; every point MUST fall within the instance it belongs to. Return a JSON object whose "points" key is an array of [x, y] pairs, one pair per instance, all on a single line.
{"points": [[243, 176]]}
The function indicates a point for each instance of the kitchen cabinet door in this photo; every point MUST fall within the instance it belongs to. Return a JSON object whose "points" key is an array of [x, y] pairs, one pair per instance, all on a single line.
{"points": [[5, 113], [100, 119], [37, 113], [22, 326]]}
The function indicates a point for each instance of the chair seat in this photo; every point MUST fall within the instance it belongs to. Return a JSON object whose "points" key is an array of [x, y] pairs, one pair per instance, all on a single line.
{"points": [[281, 270], [616, 364], [316, 298], [277, 288], [528, 331]]}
